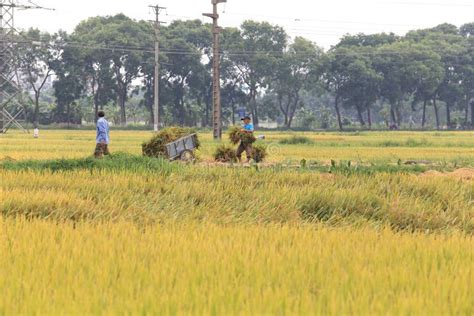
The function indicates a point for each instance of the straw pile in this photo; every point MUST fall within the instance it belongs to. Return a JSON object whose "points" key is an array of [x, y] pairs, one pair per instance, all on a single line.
{"points": [[156, 146]]}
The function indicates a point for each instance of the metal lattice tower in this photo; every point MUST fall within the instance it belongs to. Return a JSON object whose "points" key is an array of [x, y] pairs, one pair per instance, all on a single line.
{"points": [[10, 92], [11, 104]]}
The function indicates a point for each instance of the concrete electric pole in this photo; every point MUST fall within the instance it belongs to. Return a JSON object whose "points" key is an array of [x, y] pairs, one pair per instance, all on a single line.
{"points": [[216, 84], [156, 112]]}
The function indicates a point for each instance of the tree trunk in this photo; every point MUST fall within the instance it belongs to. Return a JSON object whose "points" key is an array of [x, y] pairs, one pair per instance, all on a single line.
{"points": [[36, 112], [399, 114], [448, 115], [393, 116], [253, 103], [123, 113], [436, 113], [233, 113], [466, 113], [68, 111], [360, 116], [338, 113], [423, 118], [292, 110], [472, 114], [369, 117]]}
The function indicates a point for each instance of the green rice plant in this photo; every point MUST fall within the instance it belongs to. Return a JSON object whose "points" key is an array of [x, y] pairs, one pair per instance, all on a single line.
{"points": [[297, 140], [113, 162]]}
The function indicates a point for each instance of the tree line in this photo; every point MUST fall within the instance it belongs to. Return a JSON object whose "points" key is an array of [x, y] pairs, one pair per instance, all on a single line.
{"points": [[423, 79]]}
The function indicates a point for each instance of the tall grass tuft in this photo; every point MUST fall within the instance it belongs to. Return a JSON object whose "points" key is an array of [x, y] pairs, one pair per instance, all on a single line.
{"points": [[297, 140]]}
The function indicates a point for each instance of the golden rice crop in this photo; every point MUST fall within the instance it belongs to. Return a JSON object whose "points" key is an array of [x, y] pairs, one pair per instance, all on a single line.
{"points": [[51, 268], [201, 240]]}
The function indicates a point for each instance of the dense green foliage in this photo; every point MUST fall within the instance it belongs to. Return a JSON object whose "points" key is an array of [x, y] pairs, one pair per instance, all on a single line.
{"points": [[424, 78]]}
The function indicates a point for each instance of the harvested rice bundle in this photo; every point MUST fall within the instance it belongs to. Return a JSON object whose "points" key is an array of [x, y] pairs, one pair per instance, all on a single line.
{"points": [[236, 136], [225, 153], [259, 152], [156, 146]]}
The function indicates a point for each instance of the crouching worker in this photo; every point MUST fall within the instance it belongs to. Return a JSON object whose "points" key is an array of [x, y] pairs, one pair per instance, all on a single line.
{"points": [[102, 139], [246, 145]]}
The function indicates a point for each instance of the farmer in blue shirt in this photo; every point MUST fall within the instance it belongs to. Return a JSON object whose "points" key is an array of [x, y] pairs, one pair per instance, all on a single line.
{"points": [[102, 139], [246, 146]]}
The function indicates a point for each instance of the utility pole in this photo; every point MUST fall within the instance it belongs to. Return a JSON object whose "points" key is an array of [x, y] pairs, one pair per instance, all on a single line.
{"points": [[216, 83], [156, 112]]}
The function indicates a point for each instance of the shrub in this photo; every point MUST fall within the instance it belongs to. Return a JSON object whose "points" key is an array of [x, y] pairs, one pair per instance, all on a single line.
{"points": [[296, 140], [225, 153], [156, 146]]}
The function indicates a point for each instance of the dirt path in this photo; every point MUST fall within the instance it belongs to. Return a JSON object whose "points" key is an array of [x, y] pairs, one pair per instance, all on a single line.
{"points": [[463, 174]]}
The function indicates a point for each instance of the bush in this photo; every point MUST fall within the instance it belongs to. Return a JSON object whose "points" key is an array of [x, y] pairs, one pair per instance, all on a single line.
{"points": [[156, 147], [236, 136], [225, 153], [296, 140]]}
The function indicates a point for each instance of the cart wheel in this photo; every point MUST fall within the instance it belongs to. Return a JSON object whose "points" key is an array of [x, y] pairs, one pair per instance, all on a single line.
{"points": [[187, 155]]}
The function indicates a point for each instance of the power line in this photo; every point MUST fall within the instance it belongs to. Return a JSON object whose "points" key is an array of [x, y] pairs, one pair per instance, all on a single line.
{"points": [[118, 47], [303, 19]]}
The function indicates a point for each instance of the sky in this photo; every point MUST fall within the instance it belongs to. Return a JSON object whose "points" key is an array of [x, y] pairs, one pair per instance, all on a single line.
{"points": [[323, 22]]}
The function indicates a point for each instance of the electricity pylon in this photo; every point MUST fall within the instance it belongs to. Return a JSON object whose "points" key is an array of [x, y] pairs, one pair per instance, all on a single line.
{"points": [[11, 107]]}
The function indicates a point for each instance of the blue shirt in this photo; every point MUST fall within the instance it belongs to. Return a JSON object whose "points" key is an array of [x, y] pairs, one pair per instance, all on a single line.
{"points": [[249, 127], [102, 131]]}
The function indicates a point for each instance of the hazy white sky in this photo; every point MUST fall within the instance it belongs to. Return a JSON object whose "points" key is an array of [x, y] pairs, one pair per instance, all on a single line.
{"points": [[321, 21]]}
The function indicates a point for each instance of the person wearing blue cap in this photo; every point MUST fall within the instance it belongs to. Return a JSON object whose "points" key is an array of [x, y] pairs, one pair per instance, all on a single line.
{"points": [[246, 146]]}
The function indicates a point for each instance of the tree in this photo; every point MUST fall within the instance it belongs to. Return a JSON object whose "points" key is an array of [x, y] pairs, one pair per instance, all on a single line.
{"points": [[123, 66], [253, 56], [184, 73], [69, 84], [354, 81], [36, 63], [466, 71], [299, 68]]}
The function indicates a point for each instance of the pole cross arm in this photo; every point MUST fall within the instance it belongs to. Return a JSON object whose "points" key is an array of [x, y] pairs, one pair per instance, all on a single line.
{"points": [[218, 1], [211, 15]]}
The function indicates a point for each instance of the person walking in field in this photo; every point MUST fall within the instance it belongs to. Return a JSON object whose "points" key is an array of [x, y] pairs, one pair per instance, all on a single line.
{"points": [[102, 139], [246, 143]]}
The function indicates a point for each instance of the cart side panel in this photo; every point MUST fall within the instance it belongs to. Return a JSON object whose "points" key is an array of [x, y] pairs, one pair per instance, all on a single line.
{"points": [[189, 143], [171, 149]]}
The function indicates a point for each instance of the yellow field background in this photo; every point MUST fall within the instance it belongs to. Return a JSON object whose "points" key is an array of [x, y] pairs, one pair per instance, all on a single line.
{"points": [[217, 241], [366, 146]]}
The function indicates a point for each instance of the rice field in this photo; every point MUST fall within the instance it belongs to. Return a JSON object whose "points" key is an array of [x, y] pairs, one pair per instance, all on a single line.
{"points": [[130, 235], [359, 146]]}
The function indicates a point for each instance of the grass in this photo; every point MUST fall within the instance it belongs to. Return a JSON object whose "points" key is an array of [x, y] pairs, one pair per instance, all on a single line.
{"points": [[114, 162], [296, 140], [337, 226]]}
